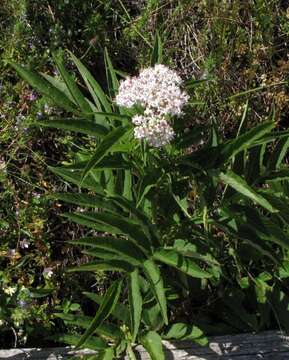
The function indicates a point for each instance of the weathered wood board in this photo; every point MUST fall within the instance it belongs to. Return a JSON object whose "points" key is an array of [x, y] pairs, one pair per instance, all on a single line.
{"points": [[266, 346]]}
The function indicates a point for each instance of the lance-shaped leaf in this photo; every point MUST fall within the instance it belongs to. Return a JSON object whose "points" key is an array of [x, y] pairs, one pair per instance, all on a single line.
{"points": [[245, 140], [154, 277], [125, 249], [135, 302], [104, 147], [282, 174], [75, 124], [94, 88], [117, 224], [110, 75], [86, 200], [93, 343], [71, 84], [278, 154], [86, 220], [120, 311], [152, 342], [104, 265], [157, 54], [107, 330], [105, 309], [130, 206], [181, 331], [241, 186], [45, 88], [178, 261], [112, 161], [75, 177], [107, 354], [60, 85]]}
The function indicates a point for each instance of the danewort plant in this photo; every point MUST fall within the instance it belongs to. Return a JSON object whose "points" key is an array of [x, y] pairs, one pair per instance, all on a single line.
{"points": [[193, 227]]}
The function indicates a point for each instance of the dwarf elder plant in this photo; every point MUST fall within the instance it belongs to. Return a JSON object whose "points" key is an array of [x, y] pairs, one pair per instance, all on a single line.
{"points": [[193, 227]]}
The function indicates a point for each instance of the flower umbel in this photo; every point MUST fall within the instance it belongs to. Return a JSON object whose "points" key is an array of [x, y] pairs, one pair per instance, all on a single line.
{"points": [[155, 129], [158, 91]]}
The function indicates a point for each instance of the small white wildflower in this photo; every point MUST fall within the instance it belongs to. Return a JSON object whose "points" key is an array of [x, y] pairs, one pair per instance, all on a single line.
{"points": [[24, 244], [11, 252], [47, 272], [10, 290]]}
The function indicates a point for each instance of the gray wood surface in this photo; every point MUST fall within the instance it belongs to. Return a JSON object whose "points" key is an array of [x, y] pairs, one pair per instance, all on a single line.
{"points": [[267, 345]]}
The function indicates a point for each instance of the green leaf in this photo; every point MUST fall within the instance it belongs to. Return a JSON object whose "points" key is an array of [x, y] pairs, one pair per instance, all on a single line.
{"points": [[86, 220], [106, 330], [157, 53], [105, 309], [71, 84], [40, 293], [152, 342], [181, 331], [280, 175], [93, 343], [190, 250], [278, 154], [152, 316], [110, 75], [135, 302], [104, 147], [107, 354], [245, 140], [75, 124], [94, 88], [107, 255], [147, 183], [154, 277], [125, 249], [45, 88], [127, 185], [117, 224], [130, 206], [113, 116], [107, 265], [86, 200], [60, 85], [114, 161], [76, 177], [187, 266], [241, 186], [120, 311]]}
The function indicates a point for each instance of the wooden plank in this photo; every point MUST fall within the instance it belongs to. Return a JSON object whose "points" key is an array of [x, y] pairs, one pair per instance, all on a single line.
{"points": [[267, 346]]}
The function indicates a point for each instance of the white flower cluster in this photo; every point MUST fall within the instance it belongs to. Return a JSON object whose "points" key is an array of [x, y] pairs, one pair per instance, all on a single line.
{"points": [[158, 91], [155, 129]]}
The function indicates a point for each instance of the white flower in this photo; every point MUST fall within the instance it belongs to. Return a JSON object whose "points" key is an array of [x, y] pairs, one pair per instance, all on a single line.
{"points": [[11, 252], [10, 290], [47, 272], [156, 130], [24, 244], [157, 89]]}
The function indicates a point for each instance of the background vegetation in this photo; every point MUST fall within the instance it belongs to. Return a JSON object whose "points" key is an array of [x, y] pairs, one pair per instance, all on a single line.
{"points": [[236, 46]]}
